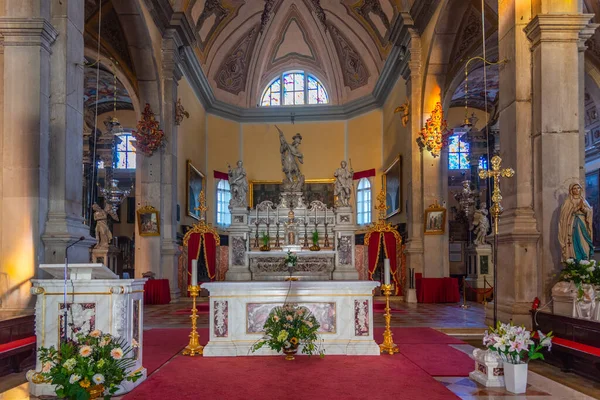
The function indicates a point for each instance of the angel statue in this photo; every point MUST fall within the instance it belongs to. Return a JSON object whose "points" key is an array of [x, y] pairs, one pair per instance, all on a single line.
{"points": [[103, 233], [290, 157], [481, 225], [575, 226]]}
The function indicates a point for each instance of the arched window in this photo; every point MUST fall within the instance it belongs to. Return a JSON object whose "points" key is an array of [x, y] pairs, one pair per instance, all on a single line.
{"points": [[458, 153], [298, 88], [223, 197], [125, 152], [363, 202]]}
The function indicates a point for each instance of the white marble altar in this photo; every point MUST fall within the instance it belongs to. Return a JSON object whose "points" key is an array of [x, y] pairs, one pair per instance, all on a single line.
{"points": [[343, 308], [312, 265], [114, 306]]}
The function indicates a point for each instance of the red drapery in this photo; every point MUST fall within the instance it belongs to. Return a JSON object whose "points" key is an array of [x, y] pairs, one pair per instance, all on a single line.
{"points": [[209, 245], [391, 252], [364, 174], [220, 175]]}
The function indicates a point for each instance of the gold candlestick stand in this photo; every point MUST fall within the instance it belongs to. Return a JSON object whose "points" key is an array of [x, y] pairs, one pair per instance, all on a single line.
{"points": [[194, 347], [388, 345]]}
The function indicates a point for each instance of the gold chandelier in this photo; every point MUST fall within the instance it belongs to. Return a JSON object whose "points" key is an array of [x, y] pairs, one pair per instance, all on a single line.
{"points": [[434, 136]]}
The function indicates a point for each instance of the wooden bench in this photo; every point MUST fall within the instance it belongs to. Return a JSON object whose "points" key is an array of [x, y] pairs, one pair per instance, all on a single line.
{"points": [[576, 345], [17, 344]]}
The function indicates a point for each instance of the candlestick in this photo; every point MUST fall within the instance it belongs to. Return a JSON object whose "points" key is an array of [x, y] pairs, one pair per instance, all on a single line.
{"points": [[325, 214], [194, 273], [386, 271], [388, 345], [257, 213], [315, 214], [193, 346], [268, 213], [277, 214]]}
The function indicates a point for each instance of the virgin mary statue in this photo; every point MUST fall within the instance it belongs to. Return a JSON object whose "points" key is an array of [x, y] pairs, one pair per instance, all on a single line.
{"points": [[575, 226]]}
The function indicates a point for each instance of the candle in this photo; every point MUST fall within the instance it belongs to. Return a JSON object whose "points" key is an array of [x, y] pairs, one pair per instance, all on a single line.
{"points": [[257, 214], [325, 214], [268, 213], [277, 220], [386, 271], [194, 272], [315, 214]]}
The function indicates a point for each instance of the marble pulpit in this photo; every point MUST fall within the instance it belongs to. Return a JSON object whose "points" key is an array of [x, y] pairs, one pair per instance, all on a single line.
{"points": [[238, 311], [96, 299]]}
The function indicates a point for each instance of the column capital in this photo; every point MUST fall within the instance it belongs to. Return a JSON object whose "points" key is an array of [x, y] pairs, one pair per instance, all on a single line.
{"points": [[171, 56], [27, 32], [559, 28]]}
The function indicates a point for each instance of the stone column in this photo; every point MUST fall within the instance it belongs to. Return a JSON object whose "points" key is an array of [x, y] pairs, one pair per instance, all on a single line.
{"points": [[65, 222], [239, 239], [26, 36], [557, 147]]}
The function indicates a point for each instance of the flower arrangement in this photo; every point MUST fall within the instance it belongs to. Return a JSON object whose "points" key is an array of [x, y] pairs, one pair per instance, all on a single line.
{"points": [[315, 238], [580, 272], [266, 241], [96, 363], [514, 344], [291, 259], [289, 326]]}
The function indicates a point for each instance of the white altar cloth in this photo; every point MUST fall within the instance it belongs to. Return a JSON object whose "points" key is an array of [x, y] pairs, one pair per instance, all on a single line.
{"points": [[343, 308]]}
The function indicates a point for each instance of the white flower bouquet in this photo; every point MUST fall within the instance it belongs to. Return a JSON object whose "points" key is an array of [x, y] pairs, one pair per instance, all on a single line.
{"points": [[581, 272], [514, 344]]}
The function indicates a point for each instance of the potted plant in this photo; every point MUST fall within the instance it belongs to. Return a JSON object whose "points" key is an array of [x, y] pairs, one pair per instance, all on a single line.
{"points": [[91, 367], [515, 347], [266, 241], [289, 326], [315, 240]]}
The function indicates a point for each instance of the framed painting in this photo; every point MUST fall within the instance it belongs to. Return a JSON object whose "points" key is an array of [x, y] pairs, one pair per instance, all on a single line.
{"points": [[195, 184], [435, 220], [592, 195], [314, 189], [392, 185], [148, 221]]}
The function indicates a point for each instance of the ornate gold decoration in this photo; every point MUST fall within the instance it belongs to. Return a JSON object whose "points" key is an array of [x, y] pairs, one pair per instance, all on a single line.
{"points": [[148, 137], [180, 112], [405, 110], [201, 227], [495, 173], [381, 225], [434, 136], [388, 345], [141, 229], [194, 348]]}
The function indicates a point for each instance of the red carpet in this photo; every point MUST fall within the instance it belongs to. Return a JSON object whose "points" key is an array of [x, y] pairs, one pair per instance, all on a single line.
{"points": [[160, 345], [248, 378], [438, 359], [417, 336]]}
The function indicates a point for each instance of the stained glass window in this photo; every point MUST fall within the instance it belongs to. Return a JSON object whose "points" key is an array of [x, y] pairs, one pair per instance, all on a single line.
{"points": [[363, 202], [458, 153], [223, 197], [125, 153], [294, 88], [483, 164]]}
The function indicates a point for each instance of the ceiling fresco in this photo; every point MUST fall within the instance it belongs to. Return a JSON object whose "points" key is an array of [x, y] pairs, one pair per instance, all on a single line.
{"points": [[104, 93]]}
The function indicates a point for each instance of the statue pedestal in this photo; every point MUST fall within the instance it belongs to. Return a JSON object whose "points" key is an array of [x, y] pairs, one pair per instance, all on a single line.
{"points": [[108, 256], [411, 296], [480, 271], [489, 369], [239, 235], [344, 232]]}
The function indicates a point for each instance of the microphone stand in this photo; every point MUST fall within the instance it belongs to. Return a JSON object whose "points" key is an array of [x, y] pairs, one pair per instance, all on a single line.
{"points": [[65, 312]]}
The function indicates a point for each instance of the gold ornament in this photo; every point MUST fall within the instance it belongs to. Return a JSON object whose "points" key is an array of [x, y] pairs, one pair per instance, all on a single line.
{"points": [[495, 173], [434, 136], [405, 110], [388, 345], [194, 347]]}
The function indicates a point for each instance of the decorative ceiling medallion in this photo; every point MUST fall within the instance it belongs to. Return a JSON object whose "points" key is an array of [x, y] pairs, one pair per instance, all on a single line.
{"points": [[224, 11], [233, 71], [148, 138], [434, 136], [364, 11], [354, 71]]}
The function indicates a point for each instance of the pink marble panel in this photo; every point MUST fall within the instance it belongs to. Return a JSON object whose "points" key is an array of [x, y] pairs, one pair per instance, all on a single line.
{"points": [[257, 313]]}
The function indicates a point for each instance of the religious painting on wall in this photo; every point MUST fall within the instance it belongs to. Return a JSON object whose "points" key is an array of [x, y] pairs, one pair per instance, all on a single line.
{"points": [[435, 220], [195, 184], [148, 221], [392, 179], [314, 189], [592, 195]]}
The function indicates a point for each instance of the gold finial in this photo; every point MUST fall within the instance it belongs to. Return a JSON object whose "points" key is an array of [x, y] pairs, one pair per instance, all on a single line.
{"points": [[495, 173], [202, 205], [381, 206]]}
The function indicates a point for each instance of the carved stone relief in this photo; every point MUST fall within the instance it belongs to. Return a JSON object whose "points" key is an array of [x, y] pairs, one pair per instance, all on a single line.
{"points": [[354, 71], [233, 72], [345, 250], [238, 250]]}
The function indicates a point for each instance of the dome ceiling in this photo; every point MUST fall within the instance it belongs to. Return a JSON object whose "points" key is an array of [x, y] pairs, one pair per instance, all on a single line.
{"points": [[243, 44]]}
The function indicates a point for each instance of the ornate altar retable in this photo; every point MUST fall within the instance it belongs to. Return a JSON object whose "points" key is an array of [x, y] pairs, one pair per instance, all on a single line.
{"points": [[238, 311]]}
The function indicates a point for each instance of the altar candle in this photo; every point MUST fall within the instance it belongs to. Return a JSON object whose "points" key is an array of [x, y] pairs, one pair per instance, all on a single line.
{"points": [[325, 214], [257, 214], [315, 214], [194, 272], [277, 220], [386, 271], [268, 214]]}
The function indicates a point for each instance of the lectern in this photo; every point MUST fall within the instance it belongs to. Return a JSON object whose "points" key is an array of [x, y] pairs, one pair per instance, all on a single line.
{"points": [[96, 299]]}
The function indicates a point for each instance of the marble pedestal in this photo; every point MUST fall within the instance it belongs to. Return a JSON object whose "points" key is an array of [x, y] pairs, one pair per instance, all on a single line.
{"points": [[108, 256], [564, 299], [489, 370], [114, 306], [344, 231], [239, 233], [238, 311], [480, 271], [411, 296]]}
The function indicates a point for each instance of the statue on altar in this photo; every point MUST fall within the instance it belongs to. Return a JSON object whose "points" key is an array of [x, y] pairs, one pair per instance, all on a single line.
{"points": [[343, 184], [239, 185], [290, 157], [481, 225], [291, 229], [575, 226], [103, 233]]}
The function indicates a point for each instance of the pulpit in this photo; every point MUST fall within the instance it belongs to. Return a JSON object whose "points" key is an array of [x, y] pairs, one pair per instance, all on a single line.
{"points": [[96, 299]]}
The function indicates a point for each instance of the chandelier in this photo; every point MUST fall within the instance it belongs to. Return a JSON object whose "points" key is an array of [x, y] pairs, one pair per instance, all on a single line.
{"points": [[113, 194], [434, 136]]}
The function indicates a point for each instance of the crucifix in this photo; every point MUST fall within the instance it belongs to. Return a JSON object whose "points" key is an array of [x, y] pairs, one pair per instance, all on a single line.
{"points": [[494, 174]]}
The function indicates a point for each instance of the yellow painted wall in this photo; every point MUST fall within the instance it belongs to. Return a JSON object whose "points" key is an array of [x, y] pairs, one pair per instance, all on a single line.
{"points": [[191, 145]]}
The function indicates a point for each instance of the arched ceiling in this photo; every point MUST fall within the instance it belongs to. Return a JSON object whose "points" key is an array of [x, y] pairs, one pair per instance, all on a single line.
{"points": [[243, 44]]}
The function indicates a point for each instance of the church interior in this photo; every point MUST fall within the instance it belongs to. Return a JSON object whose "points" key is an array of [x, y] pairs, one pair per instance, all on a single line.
{"points": [[276, 199]]}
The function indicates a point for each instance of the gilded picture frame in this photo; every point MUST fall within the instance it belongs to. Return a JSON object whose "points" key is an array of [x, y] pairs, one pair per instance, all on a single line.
{"points": [[195, 183], [148, 219], [315, 189], [434, 221], [392, 186]]}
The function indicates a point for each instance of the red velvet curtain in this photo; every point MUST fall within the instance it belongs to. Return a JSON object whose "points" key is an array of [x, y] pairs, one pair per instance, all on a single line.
{"points": [[391, 252], [373, 252], [209, 244]]}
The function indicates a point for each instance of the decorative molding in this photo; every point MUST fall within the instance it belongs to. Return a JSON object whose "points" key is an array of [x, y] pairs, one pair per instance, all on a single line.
{"points": [[354, 71], [27, 32], [319, 12], [361, 10], [224, 13], [266, 14], [233, 71]]}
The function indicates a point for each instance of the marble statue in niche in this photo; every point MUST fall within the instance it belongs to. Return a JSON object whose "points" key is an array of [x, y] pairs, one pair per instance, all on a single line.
{"points": [[103, 233], [575, 226], [239, 186], [481, 225], [343, 184], [291, 157]]}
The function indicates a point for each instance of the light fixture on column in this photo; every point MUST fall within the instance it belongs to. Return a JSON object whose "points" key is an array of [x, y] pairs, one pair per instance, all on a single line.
{"points": [[434, 136]]}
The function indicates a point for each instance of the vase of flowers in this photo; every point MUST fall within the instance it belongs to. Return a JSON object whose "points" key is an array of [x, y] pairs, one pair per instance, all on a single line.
{"points": [[290, 260], [515, 347], [287, 328], [90, 367], [585, 274], [315, 241]]}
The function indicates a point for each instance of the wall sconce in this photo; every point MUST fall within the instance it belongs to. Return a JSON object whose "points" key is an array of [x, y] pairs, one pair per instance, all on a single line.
{"points": [[434, 136]]}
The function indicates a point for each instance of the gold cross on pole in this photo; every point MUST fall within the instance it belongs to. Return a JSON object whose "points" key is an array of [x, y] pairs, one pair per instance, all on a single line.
{"points": [[496, 172], [202, 205]]}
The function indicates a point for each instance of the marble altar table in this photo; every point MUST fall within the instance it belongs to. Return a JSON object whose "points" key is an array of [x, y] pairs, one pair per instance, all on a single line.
{"points": [[312, 265], [238, 311]]}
